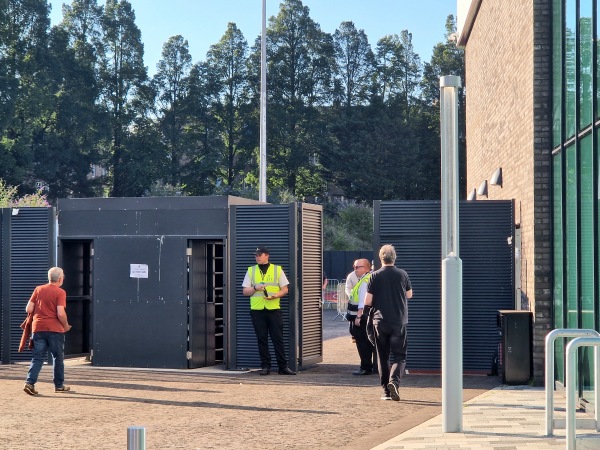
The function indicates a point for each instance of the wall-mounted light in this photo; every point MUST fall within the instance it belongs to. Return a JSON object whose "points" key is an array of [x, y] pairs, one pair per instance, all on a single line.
{"points": [[496, 179], [472, 195], [482, 190]]}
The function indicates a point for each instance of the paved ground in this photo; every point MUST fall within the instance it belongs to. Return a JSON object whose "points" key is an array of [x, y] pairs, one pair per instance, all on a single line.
{"points": [[507, 417], [323, 407]]}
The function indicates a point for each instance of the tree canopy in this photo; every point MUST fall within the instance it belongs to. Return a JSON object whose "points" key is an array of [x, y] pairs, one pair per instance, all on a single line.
{"points": [[80, 116]]}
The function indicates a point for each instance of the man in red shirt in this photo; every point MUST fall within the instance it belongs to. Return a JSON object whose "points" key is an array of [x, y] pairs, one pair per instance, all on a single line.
{"points": [[47, 304]]}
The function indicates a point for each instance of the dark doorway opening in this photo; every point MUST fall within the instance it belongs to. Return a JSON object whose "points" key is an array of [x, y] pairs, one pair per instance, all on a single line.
{"points": [[76, 261], [205, 303]]}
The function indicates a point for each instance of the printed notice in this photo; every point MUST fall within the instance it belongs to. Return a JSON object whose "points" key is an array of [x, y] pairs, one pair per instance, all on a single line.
{"points": [[138, 270]]}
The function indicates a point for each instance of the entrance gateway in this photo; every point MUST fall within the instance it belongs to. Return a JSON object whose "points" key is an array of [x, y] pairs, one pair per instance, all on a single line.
{"points": [[155, 282]]}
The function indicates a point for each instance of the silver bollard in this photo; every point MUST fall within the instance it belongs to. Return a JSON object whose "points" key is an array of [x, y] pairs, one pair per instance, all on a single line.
{"points": [[549, 352], [136, 438]]}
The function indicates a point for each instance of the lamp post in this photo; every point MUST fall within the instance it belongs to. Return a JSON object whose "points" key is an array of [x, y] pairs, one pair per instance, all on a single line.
{"points": [[262, 190], [452, 356]]}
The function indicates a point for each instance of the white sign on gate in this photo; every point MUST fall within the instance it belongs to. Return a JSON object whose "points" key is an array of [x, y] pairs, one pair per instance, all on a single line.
{"points": [[138, 270]]}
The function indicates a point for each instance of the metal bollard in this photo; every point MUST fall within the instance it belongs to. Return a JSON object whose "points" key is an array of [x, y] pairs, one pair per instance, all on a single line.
{"points": [[571, 384], [136, 438], [549, 352]]}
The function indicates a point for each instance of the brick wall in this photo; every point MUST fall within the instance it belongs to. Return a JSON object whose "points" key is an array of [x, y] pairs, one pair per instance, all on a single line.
{"points": [[508, 81]]}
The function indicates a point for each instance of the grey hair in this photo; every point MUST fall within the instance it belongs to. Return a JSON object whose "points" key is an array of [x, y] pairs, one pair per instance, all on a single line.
{"points": [[387, 254], [54, 274]]}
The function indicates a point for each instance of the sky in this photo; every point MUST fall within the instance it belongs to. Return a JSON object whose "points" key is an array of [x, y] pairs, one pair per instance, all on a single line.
{"points": [[203, 22]]}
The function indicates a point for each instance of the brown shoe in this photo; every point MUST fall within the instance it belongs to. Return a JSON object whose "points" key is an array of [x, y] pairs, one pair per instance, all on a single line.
{"points": [[30, 389], [63, 388]]}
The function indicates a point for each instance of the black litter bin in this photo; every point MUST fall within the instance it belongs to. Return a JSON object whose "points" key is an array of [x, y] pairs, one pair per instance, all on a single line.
{"points": [[515, 348]]}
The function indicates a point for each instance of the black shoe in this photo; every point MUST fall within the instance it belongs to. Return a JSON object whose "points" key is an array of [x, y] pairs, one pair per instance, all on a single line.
{"points": [[361, 372], [286, 371], [393, 389], [264, 371]]}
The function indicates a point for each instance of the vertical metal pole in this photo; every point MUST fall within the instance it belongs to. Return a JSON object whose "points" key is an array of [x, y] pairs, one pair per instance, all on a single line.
{"points": [[452, 358], [136, 438], [571, 383], [262, 190], [549, 382], [597, 386]]}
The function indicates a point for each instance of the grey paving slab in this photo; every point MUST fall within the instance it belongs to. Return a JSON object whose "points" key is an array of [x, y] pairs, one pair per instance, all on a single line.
{"points": [[504, 418]]}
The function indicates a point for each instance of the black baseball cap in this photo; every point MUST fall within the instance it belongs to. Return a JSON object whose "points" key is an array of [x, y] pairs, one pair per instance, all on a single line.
{"points": [[261, 249]]}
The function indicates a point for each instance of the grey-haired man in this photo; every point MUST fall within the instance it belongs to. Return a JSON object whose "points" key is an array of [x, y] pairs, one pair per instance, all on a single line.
{"points": [[387, 293]]}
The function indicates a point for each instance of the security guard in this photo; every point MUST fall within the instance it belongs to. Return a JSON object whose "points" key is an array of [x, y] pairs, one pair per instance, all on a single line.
{"points": [[358, 320], [265, 284]]}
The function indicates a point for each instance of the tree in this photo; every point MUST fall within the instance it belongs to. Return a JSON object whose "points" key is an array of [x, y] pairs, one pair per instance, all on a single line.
{"points": [[201, 174], [227, 61], [78, 127], [25, 94], [347, 226], [171, 82], [447, 59], [300, 61], [398, 71], [412, 74], [82, 22], [122, 73], [354, 65]]}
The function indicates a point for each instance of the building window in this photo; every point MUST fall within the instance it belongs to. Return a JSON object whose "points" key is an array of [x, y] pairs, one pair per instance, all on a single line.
{"points": [[585, 63]]}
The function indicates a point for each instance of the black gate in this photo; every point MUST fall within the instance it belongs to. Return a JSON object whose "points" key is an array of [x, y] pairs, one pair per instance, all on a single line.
{"points": [[140, 312], [293, 234], [487, 254], [311, 263], [27, 239]]}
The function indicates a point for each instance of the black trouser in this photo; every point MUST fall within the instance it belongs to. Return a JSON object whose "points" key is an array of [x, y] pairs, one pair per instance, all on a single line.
{"points": [[269, 322], [390, 342], [366, 351]]}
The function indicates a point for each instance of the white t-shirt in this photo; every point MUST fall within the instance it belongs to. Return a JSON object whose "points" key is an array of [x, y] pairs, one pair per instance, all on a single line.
{"points": [[362, 291], [351, 281], [281, 280]]}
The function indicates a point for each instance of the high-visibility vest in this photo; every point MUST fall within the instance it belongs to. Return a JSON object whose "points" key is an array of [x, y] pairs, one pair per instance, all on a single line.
{"points": [[271, 280], [354, 300]]}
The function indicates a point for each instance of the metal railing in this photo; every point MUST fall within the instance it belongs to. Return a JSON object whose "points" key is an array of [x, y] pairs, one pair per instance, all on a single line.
{"points": [[334, 295], [342, 300], [571, 382], [330, 294], [550, 339]]}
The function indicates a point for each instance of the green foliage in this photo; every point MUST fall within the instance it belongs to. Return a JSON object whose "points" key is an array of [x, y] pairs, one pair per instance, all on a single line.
{"points": [[7, 193], [282, 197], [160, 189], [355, 65], [347, 226], [227, 63], [447, 59], [122, 73], [342, 115], [38, 199], [9, 199], [300, 60]]}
